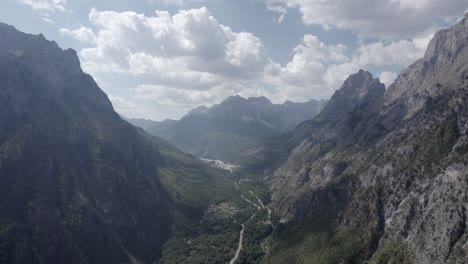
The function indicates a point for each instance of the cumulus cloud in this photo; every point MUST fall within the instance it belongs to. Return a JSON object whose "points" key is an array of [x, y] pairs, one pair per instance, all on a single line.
{"points": [[82, 34], [304, 74], [185, 56], [311, 56], [187, 59], [401, 53], [173, 97], [45, 5], [175, 2], [380, 18], [317, 69], [388, 77], [190, 45], [398, 54]]}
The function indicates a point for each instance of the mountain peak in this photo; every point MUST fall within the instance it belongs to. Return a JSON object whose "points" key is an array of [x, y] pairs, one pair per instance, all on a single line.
{"points": [[448, 43], [199, 110], [358, 88], [260, 99], [443, 65], [234, 98], [359, 81], [55, 70]]}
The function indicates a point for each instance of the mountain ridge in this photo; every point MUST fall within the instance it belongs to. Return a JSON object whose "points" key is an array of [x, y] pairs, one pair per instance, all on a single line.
{"points": [[78, 184], [385, 176], [225, 129]]}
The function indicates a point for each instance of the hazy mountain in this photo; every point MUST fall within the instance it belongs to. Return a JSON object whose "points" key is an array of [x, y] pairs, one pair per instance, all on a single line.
{"points": [[379, 176], [77, 183], [224, 130]]}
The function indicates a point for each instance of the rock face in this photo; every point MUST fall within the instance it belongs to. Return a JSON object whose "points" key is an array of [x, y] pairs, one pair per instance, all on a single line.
{"points": [[224, 130], [77, 183], [385, 172], [358, 90]]}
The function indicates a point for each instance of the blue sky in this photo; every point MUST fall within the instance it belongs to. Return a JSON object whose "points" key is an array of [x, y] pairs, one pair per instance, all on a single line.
{"points": [[158, 59]]}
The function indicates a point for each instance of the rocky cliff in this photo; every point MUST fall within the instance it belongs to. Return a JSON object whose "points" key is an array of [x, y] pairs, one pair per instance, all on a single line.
{"points": [[77, 183], [381, 177]]}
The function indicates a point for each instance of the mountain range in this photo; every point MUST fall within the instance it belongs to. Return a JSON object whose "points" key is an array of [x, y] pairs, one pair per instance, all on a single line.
{"points": [[380, 175], [233, 126]]}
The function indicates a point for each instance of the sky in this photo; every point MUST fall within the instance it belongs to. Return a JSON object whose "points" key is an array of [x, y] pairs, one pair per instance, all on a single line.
{"points": [[158, 59]]}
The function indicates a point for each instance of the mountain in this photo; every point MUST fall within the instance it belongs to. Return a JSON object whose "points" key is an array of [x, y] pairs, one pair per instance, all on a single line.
{"points": [[379, 176], [224, 130], [78, 184]]}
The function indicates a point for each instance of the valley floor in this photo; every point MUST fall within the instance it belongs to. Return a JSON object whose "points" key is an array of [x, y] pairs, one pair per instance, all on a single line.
{"points": [[232, 230]]}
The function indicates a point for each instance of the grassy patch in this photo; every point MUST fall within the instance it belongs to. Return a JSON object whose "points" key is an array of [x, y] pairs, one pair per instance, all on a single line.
{"points": [[392, 252]]}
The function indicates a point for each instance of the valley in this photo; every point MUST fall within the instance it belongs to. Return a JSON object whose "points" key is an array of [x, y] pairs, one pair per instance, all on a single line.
{"points": [[376, 174], [232, 230]]}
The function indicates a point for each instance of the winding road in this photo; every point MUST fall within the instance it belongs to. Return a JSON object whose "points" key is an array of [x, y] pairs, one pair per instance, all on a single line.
{"points": [[239, 248], [241, 234]]}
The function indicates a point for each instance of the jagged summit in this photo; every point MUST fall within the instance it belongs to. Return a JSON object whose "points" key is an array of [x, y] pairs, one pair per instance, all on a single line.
{"points": [[358, 88], [199, 110]]}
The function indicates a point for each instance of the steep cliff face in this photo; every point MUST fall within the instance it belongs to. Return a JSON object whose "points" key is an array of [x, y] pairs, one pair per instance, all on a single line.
{"points": [[444, 62], [77, 183], [359, 90], [335, 127], [385, 175]]}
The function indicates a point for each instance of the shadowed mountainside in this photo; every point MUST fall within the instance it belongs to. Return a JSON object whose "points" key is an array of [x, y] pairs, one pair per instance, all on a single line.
{"points": [[77, 183]]}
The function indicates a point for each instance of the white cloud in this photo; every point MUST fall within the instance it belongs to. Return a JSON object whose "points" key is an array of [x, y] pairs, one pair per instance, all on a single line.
{"points": [[191, 45], [173, 97], [187, 55], [317, 69], [175, 2], [281, 10], [398, 54], [310, 60], [48, 20], [303, 76], [402, 53], [46, 5], [388, 77], [82, 34], [187, 59], [381, 18]]}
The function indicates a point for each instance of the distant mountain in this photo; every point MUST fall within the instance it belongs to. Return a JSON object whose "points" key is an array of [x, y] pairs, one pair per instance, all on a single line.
{"points": [[224, 130], [379, 176], [78, 184]]}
